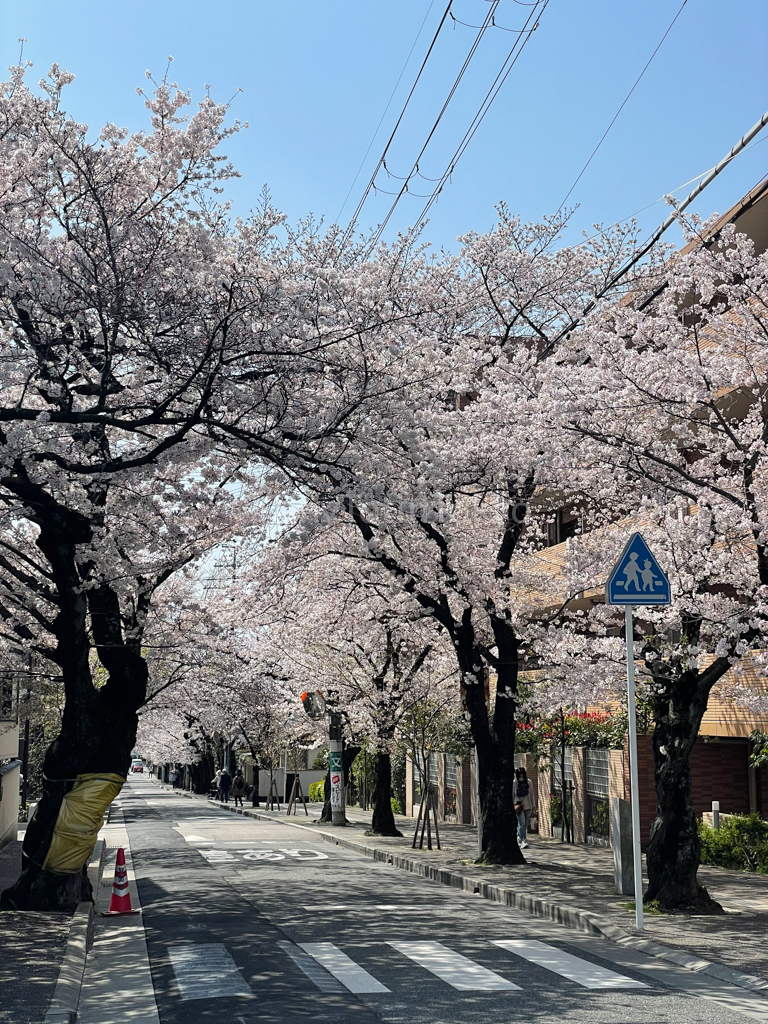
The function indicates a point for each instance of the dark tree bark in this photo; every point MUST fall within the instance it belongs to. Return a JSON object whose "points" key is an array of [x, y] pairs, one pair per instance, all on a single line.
{"points": [[98, 729], [383, 820], [325, 815], [494, 742], [674, 851]]}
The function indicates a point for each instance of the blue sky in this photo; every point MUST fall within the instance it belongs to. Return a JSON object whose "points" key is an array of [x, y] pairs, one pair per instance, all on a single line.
{"points": [[316, 78]]}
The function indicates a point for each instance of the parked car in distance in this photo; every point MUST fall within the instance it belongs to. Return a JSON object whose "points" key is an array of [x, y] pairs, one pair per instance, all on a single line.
{"points": [[137, 765]]}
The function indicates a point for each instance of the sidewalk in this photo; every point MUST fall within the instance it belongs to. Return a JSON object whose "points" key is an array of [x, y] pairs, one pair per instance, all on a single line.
{"points": [[573, 884], [32, 948]]}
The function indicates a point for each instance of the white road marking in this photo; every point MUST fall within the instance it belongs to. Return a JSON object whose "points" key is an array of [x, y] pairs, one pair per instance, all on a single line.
{"points": [[309, 966], [457, 970], [584, 973], [205, 970], [216, 856], [301, 854], [350, 974], [321, 908]]}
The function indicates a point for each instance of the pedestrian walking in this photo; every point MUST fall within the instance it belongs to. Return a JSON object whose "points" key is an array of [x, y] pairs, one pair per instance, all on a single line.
{"points": [[225, 781], [523, 805], [215, 790], [238, 787], [172, 778]]}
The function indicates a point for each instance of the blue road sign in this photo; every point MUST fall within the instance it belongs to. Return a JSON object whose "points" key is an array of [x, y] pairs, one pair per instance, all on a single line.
{"points": [[637, 577]]}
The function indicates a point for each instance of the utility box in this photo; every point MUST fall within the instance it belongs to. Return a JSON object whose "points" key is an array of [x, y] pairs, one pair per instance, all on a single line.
{"points": [[623, 860]]}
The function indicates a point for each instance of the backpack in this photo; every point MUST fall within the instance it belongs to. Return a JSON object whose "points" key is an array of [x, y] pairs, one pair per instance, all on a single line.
{"points": [[522, 787]]}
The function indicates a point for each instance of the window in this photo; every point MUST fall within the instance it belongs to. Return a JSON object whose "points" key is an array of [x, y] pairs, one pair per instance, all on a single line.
{"points": [[434, 771], [564, 525], [598, 762], [450, 770], [598, 791], [557, 781]]}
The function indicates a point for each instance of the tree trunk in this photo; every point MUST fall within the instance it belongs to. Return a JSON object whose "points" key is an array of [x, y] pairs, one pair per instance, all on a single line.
{"points": [[674, 850], [495, 751], [202, 773], [383, 821], [98, 729]]}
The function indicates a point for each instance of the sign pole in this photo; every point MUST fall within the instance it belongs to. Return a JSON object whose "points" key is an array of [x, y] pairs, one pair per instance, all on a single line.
{"points": [[634, 775]]}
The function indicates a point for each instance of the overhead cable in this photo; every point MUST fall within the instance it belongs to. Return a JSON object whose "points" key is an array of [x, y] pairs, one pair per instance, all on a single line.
{"points": [[369, 186], [414, 169], [623, 104], [512, 57], [389, 101], [647, 246]]}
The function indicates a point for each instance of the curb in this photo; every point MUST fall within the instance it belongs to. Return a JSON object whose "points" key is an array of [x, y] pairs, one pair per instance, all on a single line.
{"points": [[569, 917], [66, 995]]}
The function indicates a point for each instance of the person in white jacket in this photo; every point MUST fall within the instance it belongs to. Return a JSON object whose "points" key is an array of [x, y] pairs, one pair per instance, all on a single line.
{"points": [[523, 805]]}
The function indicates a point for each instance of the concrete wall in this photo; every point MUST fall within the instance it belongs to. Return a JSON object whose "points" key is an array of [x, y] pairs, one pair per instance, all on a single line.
{"points": [[9, 739], [9, 802], [284, 782]]}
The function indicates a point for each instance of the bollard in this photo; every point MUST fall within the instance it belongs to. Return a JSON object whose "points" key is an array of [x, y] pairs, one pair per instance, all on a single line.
{"points": [[623, 862], [715, 814]]}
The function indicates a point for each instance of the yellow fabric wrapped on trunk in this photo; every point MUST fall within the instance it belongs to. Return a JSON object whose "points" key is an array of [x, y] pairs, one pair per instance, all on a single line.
{"points": [[78, 822]]}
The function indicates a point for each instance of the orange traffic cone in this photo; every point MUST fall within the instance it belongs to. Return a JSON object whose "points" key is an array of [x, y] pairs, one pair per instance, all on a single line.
{"points": [[121, 897]]}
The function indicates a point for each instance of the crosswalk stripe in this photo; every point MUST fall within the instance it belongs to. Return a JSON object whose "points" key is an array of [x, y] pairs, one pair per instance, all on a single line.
{"points": [[316, 974], [457, 970], [350, 974], [584, 973], [205, 970]]}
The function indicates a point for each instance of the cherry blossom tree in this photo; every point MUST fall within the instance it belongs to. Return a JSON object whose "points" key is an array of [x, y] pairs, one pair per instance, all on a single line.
{"points": [[661, 405], [346, 630], [450, 470], [152, 349]]}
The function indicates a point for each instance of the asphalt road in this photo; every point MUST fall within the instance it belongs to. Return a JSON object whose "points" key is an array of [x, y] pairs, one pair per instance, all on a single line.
{"points": [[253, 922]]}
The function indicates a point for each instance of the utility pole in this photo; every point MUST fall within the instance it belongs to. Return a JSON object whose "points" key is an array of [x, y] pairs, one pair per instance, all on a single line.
{"points": [[336, 765]]}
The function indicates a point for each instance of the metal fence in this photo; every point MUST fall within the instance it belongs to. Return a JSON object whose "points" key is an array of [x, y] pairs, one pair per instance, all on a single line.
{"points": [[450, 785], [597, 806], [561, 804]]}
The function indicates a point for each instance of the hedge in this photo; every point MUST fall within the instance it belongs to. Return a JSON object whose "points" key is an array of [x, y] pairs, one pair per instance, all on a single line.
{"points": [[741, 843]]}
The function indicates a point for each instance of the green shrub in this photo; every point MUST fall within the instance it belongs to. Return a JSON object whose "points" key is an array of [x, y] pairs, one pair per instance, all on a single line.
{"points": [[396, 805], [316, 792], [321, 760], [741, 843], [555, 811]]}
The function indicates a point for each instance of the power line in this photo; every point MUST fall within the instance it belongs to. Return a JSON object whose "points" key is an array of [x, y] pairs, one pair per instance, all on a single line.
{"points": [[647, 246], [389, 102], [623, 104], [369, 186], [454, 87], [669, 192], [523, 38]]}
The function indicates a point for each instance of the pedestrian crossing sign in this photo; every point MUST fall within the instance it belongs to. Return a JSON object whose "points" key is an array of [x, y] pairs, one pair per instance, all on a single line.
{"points": [[637, 577]]}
